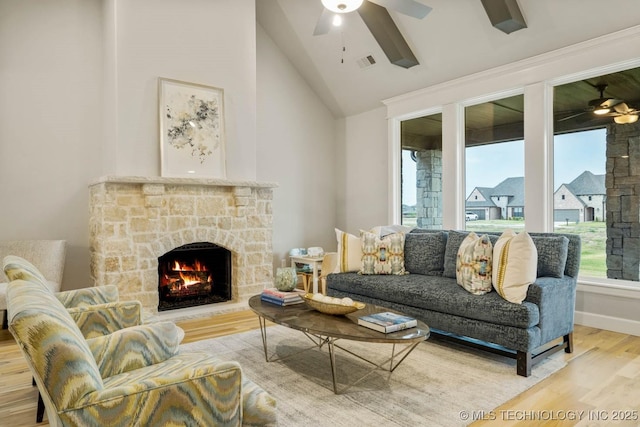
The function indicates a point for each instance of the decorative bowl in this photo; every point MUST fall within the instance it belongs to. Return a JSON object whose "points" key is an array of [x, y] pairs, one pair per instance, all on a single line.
{"points": [[330, 308]]}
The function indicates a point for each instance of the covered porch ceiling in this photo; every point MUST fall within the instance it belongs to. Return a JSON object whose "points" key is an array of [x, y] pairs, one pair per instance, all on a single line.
{"points": [[502, 120]]}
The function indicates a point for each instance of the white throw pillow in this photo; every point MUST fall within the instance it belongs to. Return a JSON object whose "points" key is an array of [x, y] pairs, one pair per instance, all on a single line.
{"points": [[349, 252], [382, 255], [515, 261], [474, 264]]}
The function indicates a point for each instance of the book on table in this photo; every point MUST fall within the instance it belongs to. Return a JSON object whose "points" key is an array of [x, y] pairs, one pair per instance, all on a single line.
{"points": [[285, 295], [275, 296], [387, 322]]}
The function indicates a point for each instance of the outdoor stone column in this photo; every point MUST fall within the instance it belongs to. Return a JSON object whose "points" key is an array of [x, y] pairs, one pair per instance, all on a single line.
{"points": [[429, 189], [623, 201]]}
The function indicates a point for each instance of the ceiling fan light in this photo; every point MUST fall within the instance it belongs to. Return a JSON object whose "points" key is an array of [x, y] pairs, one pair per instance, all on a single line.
{"points": [[342, 6], [626, 119], [601, 111]]}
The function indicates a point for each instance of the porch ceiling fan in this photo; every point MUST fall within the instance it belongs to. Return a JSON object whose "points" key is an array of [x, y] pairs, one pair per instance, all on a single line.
{"points": [[608, 107], [376, 17]]}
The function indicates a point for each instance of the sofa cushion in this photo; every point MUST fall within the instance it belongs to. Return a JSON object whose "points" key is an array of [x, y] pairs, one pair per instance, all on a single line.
{"points": [[474, 263], [552, 255], [424, 253], [349, 252], [382, 255], [515, 262], [436, 294], [454, 239]]}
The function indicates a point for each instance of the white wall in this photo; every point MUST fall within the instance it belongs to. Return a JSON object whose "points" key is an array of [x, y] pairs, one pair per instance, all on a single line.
{"points": [[199, 41], [365, 175], [50, 122], [295, 148], [78, 85]]}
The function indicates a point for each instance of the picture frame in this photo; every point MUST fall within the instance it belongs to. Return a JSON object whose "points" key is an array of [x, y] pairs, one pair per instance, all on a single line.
{"points": [[192, 136]]}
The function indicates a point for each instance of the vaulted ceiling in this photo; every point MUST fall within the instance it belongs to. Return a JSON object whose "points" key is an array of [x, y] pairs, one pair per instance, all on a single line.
{"points": [[454, 40]]}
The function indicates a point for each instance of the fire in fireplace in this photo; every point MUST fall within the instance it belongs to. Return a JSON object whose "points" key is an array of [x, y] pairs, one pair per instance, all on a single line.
{"points": [[194, 274]]}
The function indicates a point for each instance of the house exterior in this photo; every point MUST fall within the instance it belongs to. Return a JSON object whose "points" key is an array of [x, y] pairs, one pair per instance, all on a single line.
{"points": [[583, 199], [504, 201]]}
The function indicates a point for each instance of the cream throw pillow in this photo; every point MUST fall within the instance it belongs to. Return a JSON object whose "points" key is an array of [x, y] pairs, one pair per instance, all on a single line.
{"points": [[515, 261], [349, 252], [382, 255], [474, 264]]}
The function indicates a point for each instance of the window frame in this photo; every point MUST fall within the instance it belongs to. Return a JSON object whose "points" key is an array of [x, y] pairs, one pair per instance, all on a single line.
{"points": [[536, 77]]}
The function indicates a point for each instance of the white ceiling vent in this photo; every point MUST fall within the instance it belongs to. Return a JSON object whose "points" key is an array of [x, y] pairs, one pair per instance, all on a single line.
{"points": [[367, 61]]}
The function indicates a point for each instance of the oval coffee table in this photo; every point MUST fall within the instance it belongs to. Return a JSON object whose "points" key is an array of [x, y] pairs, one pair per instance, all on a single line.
{"points": [[326, 329]]}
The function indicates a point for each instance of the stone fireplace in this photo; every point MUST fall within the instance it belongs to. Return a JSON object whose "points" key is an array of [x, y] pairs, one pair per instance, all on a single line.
{"points": [[134, 221]]}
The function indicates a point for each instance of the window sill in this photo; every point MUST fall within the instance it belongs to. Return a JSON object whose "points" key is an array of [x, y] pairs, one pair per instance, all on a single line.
{"points": [[618, 288]]}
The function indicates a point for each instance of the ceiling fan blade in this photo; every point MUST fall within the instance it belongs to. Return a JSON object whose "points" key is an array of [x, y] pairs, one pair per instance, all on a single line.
{"points": [[572, 116], [611, 103], [387, 34], [324, 23], [622, 108], [407, 7]]}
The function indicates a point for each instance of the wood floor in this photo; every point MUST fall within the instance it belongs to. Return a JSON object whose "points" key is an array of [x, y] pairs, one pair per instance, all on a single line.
{"points": [[601, 380]]}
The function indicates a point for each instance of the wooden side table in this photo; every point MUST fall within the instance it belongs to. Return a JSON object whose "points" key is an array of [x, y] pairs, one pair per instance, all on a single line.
{"points": [[314, 262]]}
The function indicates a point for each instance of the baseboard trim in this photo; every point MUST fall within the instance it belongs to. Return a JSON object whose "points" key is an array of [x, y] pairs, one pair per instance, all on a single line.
{"points": [[616, 324]]}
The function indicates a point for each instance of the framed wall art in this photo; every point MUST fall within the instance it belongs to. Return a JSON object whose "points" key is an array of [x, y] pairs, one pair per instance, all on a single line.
{"points": [[192, 139]]}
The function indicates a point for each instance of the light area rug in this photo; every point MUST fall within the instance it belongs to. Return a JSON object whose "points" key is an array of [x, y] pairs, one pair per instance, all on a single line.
{"points": [[431, 387]]}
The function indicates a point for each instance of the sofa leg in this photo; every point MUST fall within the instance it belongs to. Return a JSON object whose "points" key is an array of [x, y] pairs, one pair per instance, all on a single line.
{"points": [[568, 341], [40, 411], [523, 361], [5, 320]]}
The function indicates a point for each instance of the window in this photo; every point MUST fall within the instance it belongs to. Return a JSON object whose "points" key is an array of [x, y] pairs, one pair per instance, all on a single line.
{"points": [[589, 150], [585, 150], [494, 168], [421, 183]]}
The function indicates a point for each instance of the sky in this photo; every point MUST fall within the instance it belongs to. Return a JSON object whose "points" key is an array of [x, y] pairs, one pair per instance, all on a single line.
{"points": [[573, 154]]}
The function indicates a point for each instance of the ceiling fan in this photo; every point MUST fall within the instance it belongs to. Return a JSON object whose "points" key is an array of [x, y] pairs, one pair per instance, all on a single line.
{"points": [[376, 17], [609, 107]]}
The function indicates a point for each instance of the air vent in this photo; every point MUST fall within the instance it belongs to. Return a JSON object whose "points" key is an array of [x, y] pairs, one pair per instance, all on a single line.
{"points": [[367, 61]]}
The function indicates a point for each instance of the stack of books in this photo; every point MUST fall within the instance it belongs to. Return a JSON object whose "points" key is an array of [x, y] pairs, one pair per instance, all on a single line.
{"points": [[387, 322], [274, 296]]}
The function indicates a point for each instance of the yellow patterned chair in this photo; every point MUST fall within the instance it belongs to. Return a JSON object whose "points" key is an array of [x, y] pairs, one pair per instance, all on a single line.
{"points": [[131, 377], [48, 255], [96, 310]]}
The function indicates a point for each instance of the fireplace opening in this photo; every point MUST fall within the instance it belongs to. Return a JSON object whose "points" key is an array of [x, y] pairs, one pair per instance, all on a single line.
{"points": [[194, 274]]}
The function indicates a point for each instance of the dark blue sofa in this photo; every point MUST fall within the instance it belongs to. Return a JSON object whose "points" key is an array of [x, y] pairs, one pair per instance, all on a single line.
{"points": [[541, 325]]}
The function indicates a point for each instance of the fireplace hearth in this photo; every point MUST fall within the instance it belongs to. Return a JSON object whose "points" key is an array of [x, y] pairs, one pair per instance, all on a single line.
{"points": [[194, 274]]}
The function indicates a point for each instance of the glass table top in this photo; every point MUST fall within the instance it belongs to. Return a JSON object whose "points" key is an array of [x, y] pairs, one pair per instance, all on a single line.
{"points": [[306, 319]]}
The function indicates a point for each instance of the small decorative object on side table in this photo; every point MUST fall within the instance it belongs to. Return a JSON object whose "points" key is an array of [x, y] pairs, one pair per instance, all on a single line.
{"points": [[314, 262]]}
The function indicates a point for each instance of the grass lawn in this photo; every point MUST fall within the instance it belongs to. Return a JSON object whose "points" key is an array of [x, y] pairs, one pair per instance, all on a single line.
{"points": [[593, 261]]}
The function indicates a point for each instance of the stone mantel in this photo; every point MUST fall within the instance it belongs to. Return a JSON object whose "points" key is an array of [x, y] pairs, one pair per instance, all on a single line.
{"points": [[180, 181]]}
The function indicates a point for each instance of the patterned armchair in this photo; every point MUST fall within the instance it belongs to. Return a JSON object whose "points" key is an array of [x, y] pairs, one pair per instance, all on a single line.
{"points": [[133, 376], [48, 255], [97, 310]]}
